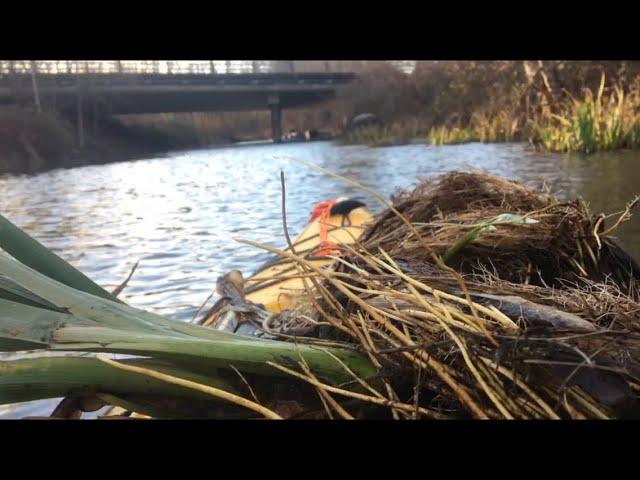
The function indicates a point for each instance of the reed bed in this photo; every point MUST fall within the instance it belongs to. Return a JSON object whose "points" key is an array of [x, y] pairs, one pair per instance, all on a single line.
{"points": [[503, 126], [594, 123], [396, 133], [601, 121]]}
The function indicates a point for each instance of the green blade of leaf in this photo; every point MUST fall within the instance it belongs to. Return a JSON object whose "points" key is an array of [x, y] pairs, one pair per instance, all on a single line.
{"points": [[464, 240], [52, 377], [10, 290], [246, 355], [487, 226], [23, 327], [74, 301], [104, 312]]}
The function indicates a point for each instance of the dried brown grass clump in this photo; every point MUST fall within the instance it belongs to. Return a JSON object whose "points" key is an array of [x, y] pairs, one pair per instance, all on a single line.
{"points": [[530, 320], [463, 191], [565, 242]]}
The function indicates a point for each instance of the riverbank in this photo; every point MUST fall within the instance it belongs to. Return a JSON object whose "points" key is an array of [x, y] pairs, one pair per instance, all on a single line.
{"points": [[555, 106], [597, 122], [33, 142]]}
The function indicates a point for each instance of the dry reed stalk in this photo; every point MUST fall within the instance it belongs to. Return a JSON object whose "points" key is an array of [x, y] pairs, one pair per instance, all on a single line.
{"points": [[214, 392], [365, 398]]}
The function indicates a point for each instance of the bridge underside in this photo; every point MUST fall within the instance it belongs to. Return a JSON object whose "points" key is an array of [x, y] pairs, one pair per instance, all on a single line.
{"points": [[201, 100]]}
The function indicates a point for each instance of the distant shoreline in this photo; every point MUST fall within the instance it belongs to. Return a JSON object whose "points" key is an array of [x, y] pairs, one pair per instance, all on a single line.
{"points": [[33, 143]]}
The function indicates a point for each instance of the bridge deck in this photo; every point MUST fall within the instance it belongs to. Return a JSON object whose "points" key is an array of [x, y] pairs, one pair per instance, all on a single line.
{"points": [[155, 93]]}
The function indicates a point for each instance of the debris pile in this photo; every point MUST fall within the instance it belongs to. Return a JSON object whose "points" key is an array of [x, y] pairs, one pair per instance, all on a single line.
{"points": [[476, 297]]}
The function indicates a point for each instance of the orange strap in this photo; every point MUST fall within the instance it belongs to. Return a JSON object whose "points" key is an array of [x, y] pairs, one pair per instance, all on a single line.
{"points": [[321, 209], [328, 248], [322, 212]]}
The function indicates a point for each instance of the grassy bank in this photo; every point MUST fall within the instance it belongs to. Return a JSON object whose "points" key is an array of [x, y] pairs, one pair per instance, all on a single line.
{"points": [[31, 142], [205, 128], [604, 120], [556, 106], [596, 122], [501, 127], [397, 133]]}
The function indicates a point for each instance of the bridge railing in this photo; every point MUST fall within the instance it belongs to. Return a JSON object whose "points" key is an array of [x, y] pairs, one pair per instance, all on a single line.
{"points": [[93, 67], [54, 67]]}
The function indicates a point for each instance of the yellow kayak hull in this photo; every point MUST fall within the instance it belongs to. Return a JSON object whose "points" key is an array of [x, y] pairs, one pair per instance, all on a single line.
{"points": [[273, 286]]}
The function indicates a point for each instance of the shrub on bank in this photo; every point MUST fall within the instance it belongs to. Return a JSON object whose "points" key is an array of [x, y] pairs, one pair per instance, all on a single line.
{"points": [[30, 141]]}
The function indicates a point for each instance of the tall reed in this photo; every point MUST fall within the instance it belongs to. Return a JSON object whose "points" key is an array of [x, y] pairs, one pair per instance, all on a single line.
{"points": [[595, 123], [483, 127]]}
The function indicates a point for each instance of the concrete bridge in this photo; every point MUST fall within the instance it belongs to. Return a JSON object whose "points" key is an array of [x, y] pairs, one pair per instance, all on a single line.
{"points": [[129, 93]]}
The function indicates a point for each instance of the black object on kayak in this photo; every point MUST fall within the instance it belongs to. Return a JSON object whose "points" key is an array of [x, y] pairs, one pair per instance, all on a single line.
{"points": [[345, 207]]}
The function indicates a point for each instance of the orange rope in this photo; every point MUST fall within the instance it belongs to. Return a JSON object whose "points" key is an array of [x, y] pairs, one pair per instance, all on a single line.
{"points": [[322, 212]]}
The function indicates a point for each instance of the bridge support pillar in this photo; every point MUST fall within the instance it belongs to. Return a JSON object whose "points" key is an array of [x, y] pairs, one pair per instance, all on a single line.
{"points": [[276, 118], [80, 121]]}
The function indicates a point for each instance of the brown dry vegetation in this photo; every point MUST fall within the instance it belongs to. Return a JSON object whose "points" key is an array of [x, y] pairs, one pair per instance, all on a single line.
{"points": [[556, 105], [535, 319], [28, 141]]}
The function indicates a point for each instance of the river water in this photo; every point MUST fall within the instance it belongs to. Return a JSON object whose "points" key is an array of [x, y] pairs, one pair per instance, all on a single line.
{"points": [[178, 213]]}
